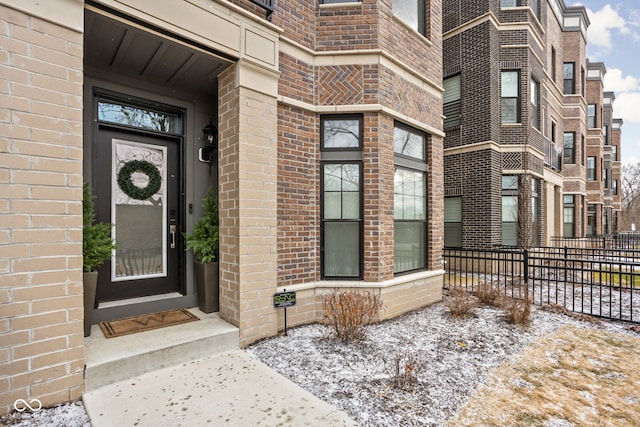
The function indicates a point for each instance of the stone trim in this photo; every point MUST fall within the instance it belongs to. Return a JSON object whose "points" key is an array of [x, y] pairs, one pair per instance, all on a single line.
{"points": [[359, 108], [360, 57]]}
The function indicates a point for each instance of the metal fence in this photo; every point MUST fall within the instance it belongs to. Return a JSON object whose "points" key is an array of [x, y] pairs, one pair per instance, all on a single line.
{"points": [[612, 241], [594, 281]]}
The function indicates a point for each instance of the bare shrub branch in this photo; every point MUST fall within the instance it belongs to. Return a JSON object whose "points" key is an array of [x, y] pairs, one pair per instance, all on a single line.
{"points": [[346, 313], [489, 294], [461, 303], [517, 309], [403, 369]]}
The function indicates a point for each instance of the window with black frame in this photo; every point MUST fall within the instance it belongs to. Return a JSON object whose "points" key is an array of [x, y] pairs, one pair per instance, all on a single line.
{"points": [[591, 116], [569, 148], [410, 199], [510, 96], [569, 215], [341, 202], [509, 210], [569, 82], [453, 222], [591, 220], [413, 13], [591, 168], [535, 103], [452, 106]]}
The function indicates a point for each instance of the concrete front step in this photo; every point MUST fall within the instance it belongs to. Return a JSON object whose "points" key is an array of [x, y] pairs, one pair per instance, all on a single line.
{"points": [[117, 359]]}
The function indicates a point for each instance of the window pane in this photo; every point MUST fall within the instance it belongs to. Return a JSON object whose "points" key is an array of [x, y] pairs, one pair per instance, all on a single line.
{"points": [[332, 205], [350, 177], [509, 110], [341, 249], [341, 133], [591, 116], [508, 3], [568, 215], [408, 143], [453, 209], [332, 177], [509, 182], [409, 246], [409, 207], [509, 84], [568, 230], [139, 117], [341, 191], [407, 10], [409, 194], [453, 234], [568, 70], [509, 208], [451, 89], [534, 92], [591, 168], [397, 206], [509, 234], [351, 205], [420, 208], [568, 140]]}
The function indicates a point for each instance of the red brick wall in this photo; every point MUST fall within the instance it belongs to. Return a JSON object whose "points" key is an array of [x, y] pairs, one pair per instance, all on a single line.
{"points": [[352, 86]]}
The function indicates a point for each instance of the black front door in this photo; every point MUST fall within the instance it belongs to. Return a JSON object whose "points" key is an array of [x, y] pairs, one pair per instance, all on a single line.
{"points": [[137, 182]]}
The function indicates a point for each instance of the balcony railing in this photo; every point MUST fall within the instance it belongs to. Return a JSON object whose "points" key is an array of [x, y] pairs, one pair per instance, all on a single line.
{"points": [[552, 155], [268, 5]]}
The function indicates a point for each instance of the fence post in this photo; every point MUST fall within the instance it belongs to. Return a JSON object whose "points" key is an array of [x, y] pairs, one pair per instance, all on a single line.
{"points": [[525, 258]]}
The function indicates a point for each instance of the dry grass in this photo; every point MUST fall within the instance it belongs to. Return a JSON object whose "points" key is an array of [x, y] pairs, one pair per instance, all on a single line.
{"points": [[489, 293], [516, 311], [461, 304], [577, 376]]}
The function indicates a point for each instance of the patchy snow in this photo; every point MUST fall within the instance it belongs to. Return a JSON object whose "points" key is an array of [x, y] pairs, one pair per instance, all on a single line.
{"points": [[450, 357], [70, 414], [453, 357]]}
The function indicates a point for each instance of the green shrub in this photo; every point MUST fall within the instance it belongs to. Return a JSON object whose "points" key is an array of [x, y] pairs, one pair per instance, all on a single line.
{"points": [[204, 241], [97, 244]]}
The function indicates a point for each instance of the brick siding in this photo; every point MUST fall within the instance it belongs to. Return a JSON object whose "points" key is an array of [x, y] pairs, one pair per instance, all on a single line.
{"points": [[41, 320]]}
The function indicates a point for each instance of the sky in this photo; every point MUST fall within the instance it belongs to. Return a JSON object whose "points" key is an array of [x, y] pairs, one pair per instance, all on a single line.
{"points": [[614, 38]]}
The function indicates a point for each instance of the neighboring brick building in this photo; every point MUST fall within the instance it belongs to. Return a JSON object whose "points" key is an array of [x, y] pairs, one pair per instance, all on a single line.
{"points": [[611, 129], [517, 140], [329, 164]]}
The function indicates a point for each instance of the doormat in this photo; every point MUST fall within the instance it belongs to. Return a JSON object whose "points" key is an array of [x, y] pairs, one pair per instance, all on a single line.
{"points": [[146, 322]]}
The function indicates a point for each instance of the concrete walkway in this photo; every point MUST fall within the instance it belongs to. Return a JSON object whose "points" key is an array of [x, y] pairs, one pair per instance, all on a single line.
{"points": [[227, 389]]}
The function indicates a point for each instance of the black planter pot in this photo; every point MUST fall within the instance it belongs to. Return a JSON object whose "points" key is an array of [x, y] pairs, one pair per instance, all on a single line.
{"points": [[89, 282], [207, 286]]}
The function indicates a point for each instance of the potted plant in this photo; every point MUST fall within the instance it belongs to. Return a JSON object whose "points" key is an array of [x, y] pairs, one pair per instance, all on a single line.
{"points": [[204, 242], [97, 246]]}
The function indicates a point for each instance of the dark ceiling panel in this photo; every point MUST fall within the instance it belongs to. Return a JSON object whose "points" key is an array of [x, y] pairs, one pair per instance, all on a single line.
{"points": [[127, 50]]}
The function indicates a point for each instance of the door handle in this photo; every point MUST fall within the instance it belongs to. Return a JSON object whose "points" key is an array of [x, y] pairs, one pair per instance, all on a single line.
{"points": [[172, 232]]}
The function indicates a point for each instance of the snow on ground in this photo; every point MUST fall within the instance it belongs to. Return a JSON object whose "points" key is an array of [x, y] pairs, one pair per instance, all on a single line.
{"points": [[70, 414], [454, 355], [451, 358]]}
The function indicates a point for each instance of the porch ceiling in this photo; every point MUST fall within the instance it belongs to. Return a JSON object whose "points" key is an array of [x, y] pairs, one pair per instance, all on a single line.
{"points": [[124, 49]]}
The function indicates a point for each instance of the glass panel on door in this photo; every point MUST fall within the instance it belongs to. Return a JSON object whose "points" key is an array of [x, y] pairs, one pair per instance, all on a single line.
{"points": [[138, 212]]}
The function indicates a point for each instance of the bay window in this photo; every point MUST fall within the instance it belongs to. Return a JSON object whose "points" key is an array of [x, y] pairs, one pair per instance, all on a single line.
{"points": [[341, 202], [410, 200]]}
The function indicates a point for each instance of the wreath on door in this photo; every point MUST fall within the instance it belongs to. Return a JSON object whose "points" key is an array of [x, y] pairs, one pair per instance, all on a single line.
{"points": [[130, 189]]}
